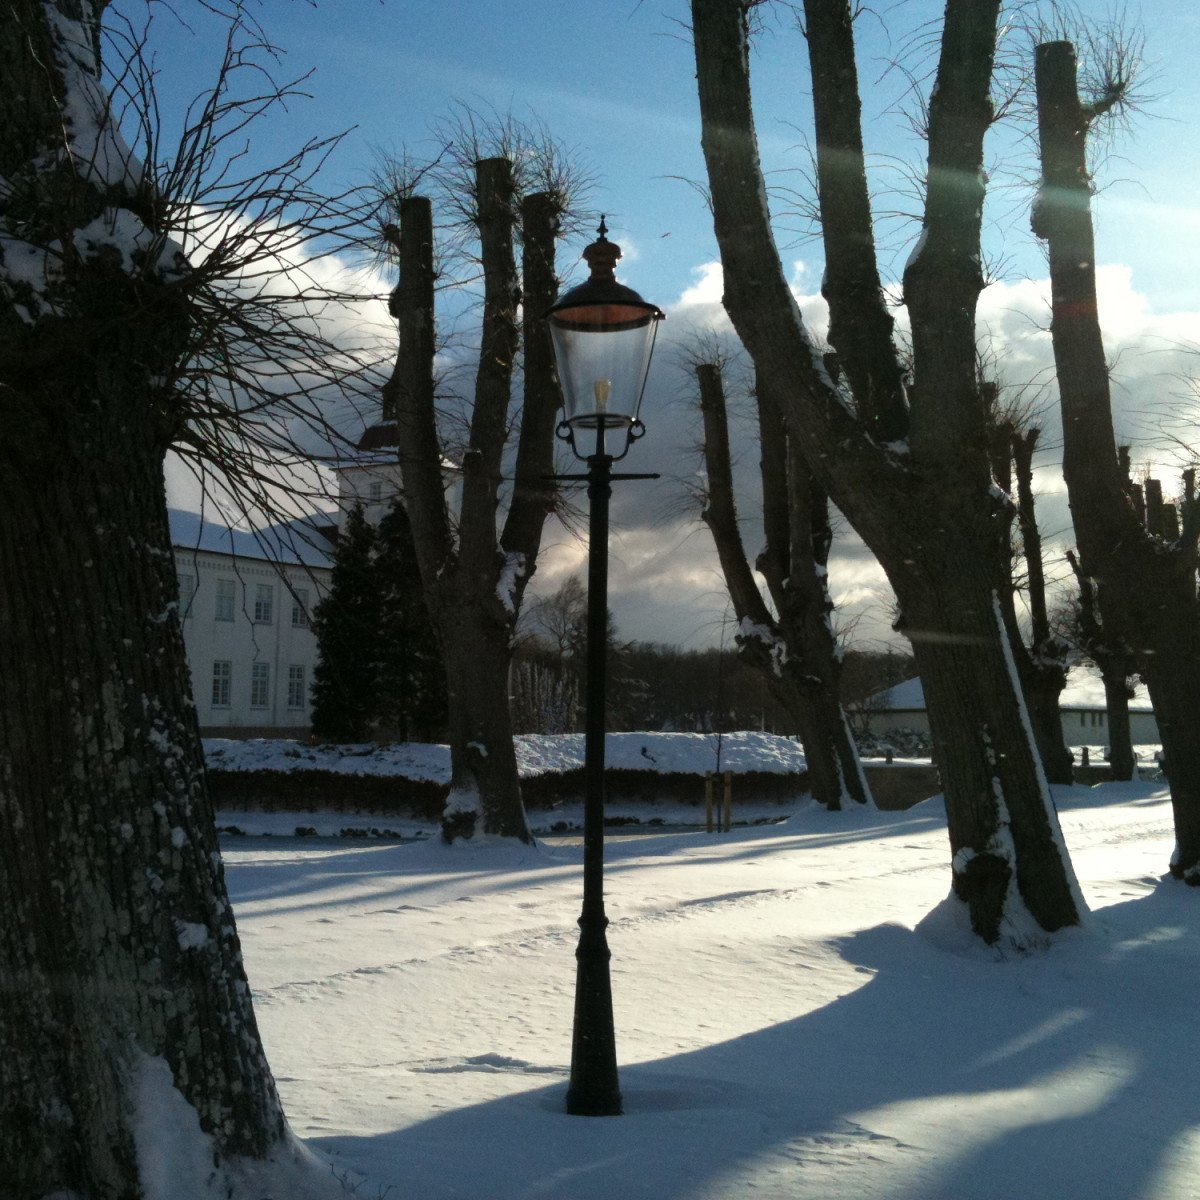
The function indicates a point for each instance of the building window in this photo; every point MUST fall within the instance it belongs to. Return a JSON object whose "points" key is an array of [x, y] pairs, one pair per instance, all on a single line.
{"points": [[225, 599], [375, 492], [264, 602], [222, 683], [260, 685], [300, 607], [187, 589], [297, 693]]}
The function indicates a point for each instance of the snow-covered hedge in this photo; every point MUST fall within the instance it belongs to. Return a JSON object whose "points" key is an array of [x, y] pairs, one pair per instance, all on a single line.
{"points": [[537, 754], [271, 773]]}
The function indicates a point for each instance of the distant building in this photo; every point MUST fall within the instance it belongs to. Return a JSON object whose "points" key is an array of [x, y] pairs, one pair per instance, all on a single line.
{"points": [[247, 600], [1082, 708], [370, 476]]}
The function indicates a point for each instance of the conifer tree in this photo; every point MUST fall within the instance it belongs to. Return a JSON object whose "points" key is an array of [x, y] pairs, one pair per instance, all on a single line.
{"points": [[411, 683], [345, 696]]}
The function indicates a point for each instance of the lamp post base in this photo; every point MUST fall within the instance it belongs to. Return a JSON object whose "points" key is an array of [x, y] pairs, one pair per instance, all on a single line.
{"points": [[594, 1089]]}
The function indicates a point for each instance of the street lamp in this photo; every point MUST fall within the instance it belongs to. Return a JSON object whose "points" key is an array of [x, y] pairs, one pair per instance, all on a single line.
{"points": [[603, 335]]}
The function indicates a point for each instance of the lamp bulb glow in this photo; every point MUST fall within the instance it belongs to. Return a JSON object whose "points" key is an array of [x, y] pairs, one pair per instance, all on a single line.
{"points": [[602, 389]]}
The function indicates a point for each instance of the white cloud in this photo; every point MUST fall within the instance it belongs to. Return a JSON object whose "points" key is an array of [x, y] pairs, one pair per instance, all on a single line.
{"points": [[665, 583], [708, 288]]}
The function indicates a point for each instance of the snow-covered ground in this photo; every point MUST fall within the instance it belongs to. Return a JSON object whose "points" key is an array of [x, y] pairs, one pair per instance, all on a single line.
{"points": [[796, 1015]]}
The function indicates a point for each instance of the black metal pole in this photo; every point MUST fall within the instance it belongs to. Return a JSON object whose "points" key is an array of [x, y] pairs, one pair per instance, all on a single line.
{"points": [[595, 1090]]}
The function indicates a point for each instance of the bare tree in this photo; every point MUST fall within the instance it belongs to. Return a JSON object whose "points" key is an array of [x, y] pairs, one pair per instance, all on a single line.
{"points": [[140, 309], [473, 568], [905, 458], [1041, 664], [1143, 556], [794, 647]]}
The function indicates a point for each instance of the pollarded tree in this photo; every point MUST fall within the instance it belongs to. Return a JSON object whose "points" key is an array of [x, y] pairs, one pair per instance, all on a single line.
{"points": [[475, 568], [904, 458], [1145, 564], [348, 620], [124, 984], [1041, 664], [794, 647]]}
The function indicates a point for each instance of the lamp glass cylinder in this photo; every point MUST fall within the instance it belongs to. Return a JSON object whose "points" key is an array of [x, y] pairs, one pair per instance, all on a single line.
{"points": [[603, 353]]}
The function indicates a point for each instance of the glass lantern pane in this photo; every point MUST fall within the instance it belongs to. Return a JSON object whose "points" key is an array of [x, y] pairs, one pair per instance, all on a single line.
{"points": [[602, 372]]}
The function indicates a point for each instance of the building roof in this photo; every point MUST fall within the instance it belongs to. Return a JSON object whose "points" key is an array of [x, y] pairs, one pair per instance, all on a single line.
{"points": [[1084, 690], [301, 542], [380, 436]]}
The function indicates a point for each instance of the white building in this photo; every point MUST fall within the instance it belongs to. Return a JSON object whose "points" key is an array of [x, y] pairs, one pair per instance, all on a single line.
{"points": [[246, 600], [371, 476], [247, 597], [1082, 708]]}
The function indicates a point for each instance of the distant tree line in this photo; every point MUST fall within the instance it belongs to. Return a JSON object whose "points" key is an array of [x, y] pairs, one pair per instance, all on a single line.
{"points": [[655, 686]]}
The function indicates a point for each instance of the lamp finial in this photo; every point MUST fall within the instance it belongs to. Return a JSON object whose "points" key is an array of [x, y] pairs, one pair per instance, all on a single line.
{"points": [[601, 256]]}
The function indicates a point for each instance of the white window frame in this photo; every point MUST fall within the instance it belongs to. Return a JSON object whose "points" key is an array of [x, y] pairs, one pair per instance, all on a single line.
{"points": [[260, 685], [222, 683], [300, 608], [297, 693], [264, 604], [187, 592], [225, 605]]}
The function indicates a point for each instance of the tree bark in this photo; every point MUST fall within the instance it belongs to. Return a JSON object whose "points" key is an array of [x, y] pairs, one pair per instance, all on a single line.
{"points": [[925, 507], [1148, 579], [1111, 655], [475, 585], [860, 326], [796, 653], [122, 966], [1041, 664], [118, 926]]}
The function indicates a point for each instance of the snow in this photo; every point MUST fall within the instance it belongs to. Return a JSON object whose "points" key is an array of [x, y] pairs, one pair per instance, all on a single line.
{"points": [[749, 630], [191, 935], [800, 1014], [297, 542], [1085, 689], [537, 754], [175, 1156], [917, 250], [511, 573]]}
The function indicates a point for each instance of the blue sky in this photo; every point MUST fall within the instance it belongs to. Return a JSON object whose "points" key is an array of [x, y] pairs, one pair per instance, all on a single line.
{"points": [[615, 82]]}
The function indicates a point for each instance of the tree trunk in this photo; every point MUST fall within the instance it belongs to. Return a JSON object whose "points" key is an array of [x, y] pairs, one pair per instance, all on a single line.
{"points": [[118, 943], [796, 652], [1148, 578], [1112, 656], [123, 978], [924, 507], [475, 585], [795, 564], [1045, 673], [1040, 685], [1004, 837]]}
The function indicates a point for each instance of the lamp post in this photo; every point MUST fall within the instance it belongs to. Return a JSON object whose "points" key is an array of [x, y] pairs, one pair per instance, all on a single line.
{"points": [[603, 335]]}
